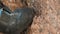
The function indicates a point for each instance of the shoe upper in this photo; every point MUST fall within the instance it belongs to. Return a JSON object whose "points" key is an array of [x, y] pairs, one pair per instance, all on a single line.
{"points": [[18, 20]]}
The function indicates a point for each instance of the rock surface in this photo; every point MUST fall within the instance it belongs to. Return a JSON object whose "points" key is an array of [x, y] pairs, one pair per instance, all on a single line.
{"points": [[47, 20]]}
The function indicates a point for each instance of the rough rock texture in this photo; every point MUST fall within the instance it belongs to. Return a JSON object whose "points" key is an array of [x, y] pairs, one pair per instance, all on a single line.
{"points": [[12, 4], [47, 20]]}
